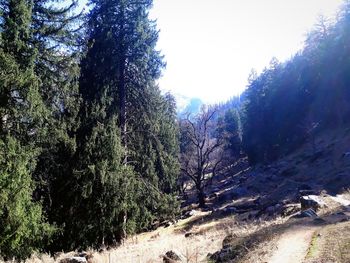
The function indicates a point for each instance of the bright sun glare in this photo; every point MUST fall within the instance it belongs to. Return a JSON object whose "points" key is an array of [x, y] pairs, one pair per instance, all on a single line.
{"points": [[211, 45]]}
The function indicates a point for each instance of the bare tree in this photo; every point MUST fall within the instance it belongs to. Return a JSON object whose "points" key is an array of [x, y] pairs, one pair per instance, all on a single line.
{"points": [[200, 150]]}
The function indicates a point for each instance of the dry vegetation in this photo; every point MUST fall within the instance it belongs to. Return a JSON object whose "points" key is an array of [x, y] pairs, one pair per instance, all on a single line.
{"points": [[150, 247], [331, 244], [246, 238]]}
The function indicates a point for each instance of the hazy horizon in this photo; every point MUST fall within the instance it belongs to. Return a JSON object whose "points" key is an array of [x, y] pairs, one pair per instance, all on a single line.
{"points": [[211, 46]]}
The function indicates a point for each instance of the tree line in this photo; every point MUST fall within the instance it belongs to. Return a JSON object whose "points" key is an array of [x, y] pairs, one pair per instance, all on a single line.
{"points": [[88, 144], [291, 101], [91, 151], [286, 105]]}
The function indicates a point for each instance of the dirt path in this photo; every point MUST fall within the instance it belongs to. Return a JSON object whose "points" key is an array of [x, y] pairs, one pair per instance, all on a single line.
{"points": [[292, 246]]}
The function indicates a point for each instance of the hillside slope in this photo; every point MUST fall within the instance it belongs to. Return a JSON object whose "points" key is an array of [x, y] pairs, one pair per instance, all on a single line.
{"points": [[249, 213]]}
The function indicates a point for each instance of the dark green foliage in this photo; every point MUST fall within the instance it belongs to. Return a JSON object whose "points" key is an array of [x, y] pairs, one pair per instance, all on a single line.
{"points": [[229, 130], [22, 110], [125, 165], [56, 30], [288, 101], [154, 146], [95, 152], [98, 193], [22, 115], [22, 227], [89, 145]]}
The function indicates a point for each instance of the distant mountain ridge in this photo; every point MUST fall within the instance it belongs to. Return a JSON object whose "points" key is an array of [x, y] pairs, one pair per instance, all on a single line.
{"points": [[186, 104], [193, 105]]}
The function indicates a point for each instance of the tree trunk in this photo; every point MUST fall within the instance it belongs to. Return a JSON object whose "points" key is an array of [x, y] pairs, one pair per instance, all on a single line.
{"points": [[201, 197], [125, 218]]}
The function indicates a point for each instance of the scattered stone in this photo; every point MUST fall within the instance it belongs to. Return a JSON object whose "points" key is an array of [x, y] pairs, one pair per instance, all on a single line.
{"points": [[229, 240], [306, 213], [319, 221], [311, 201], [74, 260], [189, 213], [242, 179], [189, 234], [213, 210], [340, 214], [215, 190], [346, 219], [224, 197], [232, 247], [172, 257], [230, 209], [165, 224], [82, 254], [221, 256], [305, 192], [290, 209], [249, 215], [213, 195], [247, 206]]}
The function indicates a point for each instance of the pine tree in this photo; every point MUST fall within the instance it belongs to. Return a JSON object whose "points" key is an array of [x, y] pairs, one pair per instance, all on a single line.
{"points": [[123, 38], [229, 129], [22, 115], [117, 84], [22, 227], [23, 110], [56, 36]]}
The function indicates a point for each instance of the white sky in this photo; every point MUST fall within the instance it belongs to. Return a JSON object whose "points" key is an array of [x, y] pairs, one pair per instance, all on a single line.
{"points": [[211, 45]]}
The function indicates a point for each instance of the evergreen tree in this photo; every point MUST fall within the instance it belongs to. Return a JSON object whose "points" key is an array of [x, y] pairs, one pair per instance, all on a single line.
{"points": [[22, 115], [229, 131], [288, 101], [22, 227], [56, 29], [125, 166]]}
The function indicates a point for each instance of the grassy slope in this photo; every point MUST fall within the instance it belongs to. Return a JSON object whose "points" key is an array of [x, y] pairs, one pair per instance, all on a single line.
{"points": [[252, 239]]}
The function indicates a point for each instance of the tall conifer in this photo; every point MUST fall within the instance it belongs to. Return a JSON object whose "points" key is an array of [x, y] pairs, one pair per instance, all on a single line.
{"points": [[118, 89], [22, 112]]}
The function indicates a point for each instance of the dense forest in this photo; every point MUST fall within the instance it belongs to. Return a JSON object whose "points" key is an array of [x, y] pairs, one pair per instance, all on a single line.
{"points": [[91, 150], [88, 144]]}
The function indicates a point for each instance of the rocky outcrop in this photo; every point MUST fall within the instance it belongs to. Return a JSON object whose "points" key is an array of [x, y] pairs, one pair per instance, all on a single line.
{"points": [[74, 260], [311, 201], [306, 213], [172, 257]]}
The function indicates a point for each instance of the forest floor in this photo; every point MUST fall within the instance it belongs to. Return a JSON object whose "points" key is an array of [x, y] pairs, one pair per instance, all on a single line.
{"points": [[251, 214]]}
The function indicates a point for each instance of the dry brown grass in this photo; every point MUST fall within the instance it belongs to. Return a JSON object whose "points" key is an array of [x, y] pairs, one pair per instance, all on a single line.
{"points": [[209, 232], [149, 247], [331, 245]]}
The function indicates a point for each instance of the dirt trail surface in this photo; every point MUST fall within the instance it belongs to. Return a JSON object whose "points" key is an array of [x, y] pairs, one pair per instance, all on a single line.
{"points": [[292, 246]]}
